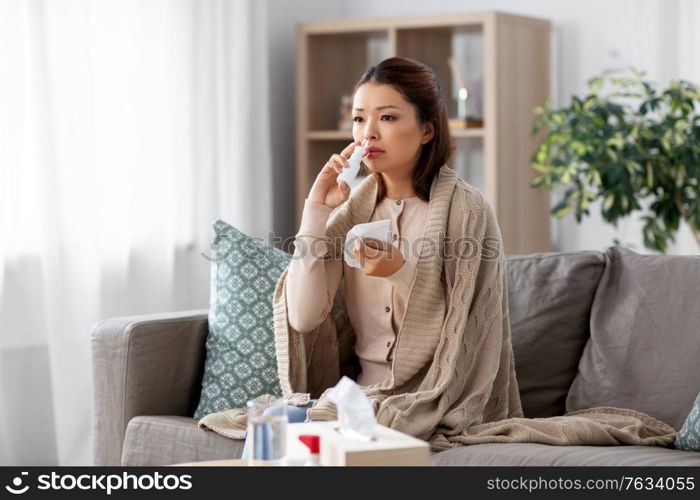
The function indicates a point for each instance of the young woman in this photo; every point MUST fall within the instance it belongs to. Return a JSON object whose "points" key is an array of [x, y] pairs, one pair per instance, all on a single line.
{"points": [[398, 110], [423, 325]]}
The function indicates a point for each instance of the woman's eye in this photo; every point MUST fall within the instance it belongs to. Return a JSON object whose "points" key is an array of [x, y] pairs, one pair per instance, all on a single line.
{"points": [[358, 118]]}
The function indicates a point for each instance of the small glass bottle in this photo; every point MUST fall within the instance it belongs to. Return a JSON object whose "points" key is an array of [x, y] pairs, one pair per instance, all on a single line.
{"points": [[313, 442]]}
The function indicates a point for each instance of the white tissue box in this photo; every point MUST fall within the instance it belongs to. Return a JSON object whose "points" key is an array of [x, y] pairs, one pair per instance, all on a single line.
{"points": [[390, 447]]}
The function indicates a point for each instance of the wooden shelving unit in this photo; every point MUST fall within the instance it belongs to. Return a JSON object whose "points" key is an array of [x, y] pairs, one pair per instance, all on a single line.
{"points": [[504, 60]]}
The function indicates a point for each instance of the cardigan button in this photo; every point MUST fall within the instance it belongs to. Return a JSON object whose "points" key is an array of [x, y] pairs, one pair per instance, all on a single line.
{"points": [[388, 344], [398, 202], [393, 237], [387, 308]]}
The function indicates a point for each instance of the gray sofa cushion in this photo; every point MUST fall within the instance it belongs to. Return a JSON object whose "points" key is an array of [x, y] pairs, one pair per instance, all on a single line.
{"points": [[645, 341], [534, 454], [167, 440], [549, 302], [241, 362]]}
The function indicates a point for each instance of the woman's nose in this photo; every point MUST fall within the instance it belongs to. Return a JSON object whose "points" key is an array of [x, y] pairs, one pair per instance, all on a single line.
{"points": [[370, 131]]}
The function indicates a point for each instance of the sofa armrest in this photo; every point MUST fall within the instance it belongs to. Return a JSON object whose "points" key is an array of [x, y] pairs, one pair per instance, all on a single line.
{"points": [[144, 365]]}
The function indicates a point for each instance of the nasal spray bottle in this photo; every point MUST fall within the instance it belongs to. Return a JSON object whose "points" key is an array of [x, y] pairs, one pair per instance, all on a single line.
{"points": [[349, 175]]}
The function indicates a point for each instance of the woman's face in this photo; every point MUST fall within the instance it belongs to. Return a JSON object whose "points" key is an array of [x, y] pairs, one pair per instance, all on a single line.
{"points": [[382, 115]]}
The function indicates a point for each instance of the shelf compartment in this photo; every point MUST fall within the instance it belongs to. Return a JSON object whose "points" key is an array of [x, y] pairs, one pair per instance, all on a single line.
{"points": [[339, 60], [435, 46]]}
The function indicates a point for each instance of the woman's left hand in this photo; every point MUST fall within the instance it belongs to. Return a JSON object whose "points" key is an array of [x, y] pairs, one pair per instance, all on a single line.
{"points": [[378, 258]]}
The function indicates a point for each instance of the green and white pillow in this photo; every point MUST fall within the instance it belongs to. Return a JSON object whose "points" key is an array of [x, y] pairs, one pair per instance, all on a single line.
{"points": [[241, 362], [688, 438]]}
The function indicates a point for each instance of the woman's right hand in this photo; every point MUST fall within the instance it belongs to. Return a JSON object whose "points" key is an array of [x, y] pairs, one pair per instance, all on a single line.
{"points": [[326, 189]]}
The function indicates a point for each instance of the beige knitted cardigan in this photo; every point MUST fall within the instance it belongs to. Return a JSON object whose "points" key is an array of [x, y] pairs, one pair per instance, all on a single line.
{"points": [[453, 378]]}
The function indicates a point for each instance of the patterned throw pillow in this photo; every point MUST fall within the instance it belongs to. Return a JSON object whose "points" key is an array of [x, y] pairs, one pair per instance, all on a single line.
{"points": [[688, 438], [241, 362]]}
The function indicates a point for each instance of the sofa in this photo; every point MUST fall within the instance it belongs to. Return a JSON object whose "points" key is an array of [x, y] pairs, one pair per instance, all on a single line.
{"points": [[590, 328]]}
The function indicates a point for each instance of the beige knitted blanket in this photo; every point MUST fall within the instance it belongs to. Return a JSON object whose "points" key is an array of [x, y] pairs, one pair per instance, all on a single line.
{"points": [[453, 376]]}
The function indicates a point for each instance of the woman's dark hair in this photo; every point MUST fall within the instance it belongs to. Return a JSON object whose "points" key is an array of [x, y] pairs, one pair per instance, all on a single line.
{"points": [[419, 86]]}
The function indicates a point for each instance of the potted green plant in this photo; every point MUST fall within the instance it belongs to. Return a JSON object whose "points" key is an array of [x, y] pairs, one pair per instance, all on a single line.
{"points": [[627, 143]]}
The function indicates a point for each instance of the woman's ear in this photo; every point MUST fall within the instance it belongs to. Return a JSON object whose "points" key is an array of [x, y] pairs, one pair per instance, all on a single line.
{"points": [[428, 132]]}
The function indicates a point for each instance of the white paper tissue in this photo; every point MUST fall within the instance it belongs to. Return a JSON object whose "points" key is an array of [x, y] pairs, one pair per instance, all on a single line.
{"points": [[355, 414], [378, 230]]}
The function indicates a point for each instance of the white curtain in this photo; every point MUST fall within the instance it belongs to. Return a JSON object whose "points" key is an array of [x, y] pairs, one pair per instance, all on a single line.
{"points": [[126, 128]]}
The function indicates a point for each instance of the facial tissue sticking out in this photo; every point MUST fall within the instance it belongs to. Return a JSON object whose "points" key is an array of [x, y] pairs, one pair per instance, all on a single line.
{"points": [[355, 413]]}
